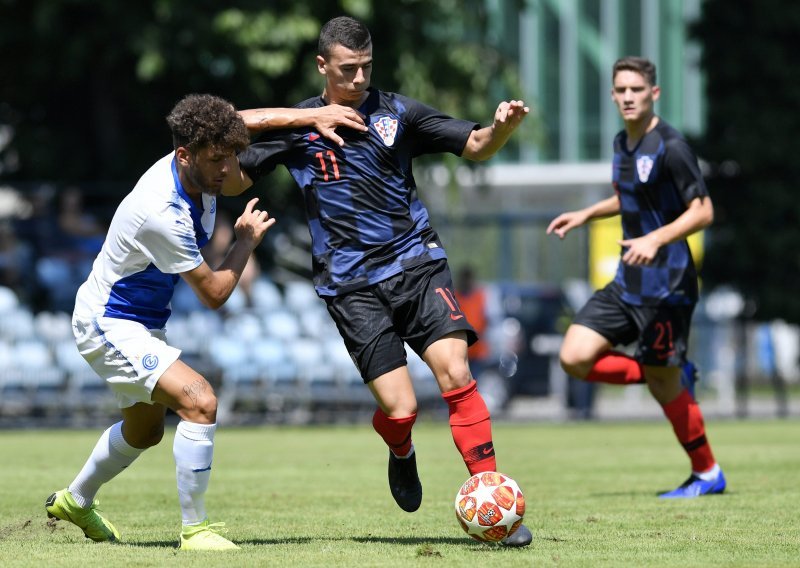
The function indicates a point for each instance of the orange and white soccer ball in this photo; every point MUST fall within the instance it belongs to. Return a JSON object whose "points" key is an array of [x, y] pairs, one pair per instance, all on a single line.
{"points": [[490, 506]]}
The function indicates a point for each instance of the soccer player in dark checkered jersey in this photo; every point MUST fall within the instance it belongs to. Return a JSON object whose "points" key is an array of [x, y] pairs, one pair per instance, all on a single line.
{"points": [[662, 199], [377, 262]]}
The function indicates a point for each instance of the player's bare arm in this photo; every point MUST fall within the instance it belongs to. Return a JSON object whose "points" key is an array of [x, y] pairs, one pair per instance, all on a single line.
{"points": [[642, 250], [214, 287], [324, 119], [565, 222], [485, 142]]}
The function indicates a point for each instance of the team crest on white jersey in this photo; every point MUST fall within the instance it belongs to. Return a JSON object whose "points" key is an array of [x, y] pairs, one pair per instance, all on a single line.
{"points": [[644, 165], [387, 129]]}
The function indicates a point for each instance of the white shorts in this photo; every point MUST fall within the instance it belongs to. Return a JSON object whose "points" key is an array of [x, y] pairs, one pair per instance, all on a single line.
{"points": [[127, 355]]}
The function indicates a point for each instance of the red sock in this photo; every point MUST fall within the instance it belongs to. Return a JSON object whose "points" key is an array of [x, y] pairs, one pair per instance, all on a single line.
{"points": [[396, 432], [472, 428], [616, 368], [687, 421]]}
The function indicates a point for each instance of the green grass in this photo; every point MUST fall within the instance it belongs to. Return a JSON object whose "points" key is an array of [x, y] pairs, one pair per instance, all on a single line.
{"points": [[318, 497]]}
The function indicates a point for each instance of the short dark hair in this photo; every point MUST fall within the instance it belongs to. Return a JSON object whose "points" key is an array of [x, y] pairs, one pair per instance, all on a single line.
{"points": [[640, 65], [199, 121], [345, 31]]}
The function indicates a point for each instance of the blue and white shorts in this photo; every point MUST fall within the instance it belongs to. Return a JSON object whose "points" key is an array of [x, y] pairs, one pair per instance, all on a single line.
{"points": [[125, 354]]}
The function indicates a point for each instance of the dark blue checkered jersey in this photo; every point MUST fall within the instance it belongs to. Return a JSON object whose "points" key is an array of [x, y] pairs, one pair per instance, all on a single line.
{"points": [[654, 183], [366, 221]]}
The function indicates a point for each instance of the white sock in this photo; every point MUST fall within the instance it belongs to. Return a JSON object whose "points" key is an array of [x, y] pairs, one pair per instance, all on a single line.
{"points": [[193, 450], [709, 475], [111, 455]]}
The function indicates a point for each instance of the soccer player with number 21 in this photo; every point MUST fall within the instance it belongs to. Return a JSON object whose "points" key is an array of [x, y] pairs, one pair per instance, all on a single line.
{"points": [[662, 199]]}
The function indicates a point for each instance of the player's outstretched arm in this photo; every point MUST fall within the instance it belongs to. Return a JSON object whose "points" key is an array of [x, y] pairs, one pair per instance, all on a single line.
{"points": [[565, 222], [485, 142], [214, 287], [236, 179], [324, 119]]}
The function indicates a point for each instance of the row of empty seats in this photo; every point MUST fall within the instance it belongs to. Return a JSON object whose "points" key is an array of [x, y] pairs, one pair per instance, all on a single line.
{"points": [[280, 359]]}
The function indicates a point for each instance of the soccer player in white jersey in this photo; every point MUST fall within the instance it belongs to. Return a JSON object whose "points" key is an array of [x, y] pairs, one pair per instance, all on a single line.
{"points": [[121, 310]]}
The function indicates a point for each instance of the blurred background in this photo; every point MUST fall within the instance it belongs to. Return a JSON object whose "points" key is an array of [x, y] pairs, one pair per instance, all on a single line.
{"points": [[85, 86]]}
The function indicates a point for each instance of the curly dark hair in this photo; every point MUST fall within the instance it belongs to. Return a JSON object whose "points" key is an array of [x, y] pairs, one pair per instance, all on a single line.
{"points": [[200, 121]]}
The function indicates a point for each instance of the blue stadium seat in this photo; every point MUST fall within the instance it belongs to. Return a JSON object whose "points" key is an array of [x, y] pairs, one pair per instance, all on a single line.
{"points": [[266, 296], [281, 324]]}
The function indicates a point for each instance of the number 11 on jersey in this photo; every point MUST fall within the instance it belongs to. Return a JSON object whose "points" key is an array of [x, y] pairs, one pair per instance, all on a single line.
{"points": [[321, 156]]}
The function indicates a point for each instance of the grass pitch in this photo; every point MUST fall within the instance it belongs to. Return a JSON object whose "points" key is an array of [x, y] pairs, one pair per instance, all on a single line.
{"points": [[318, 496]]}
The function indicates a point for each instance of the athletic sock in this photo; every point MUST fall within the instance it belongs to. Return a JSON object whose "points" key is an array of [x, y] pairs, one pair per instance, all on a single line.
{"points": [[193, 450], [471, 426], [110, 456], [687, 421], [396, 432], [709, 475], [616, 368]]}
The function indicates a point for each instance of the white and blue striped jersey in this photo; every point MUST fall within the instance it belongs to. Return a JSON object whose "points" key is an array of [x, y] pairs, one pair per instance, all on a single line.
{"points": [[156, 233]]}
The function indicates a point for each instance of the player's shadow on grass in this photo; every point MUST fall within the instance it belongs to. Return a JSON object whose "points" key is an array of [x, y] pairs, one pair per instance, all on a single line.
{"points": [[407, 541], [254, 541], [616, 494], [360, 539], [147, 544], [414, 540]]}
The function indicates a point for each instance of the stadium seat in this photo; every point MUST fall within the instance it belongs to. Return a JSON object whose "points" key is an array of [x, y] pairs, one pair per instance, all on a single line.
{"points": [[270, 354], [241, 385], [281, 324], [5, 354], [89, 398], [31, 354], [300, 296], [86, 394], [53, 326], [17, 324], [8, 300], [227, 352], [306, 353], [181, 335], [68, 357], [282, 390], [30, 384], [266, 296], [317, 323], [337, 356], [243, 326], [317, 379]]}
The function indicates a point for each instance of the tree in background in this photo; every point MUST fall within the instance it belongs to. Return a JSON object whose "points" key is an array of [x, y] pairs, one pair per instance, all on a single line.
{"points": [[753, 88], [86, 83]]}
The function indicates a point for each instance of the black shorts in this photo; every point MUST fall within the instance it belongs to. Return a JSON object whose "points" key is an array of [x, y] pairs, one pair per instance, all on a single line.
{"points": [[662, 331], [416, 306]]}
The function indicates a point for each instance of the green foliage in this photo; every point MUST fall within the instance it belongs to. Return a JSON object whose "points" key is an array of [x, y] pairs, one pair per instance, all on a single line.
{"points": [[317, 496], [86, 84], [753, 91]]}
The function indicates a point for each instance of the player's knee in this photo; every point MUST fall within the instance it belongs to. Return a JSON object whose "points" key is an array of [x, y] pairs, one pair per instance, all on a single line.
{"points": [[400, 406], [570, 366], [574, 363], [454, 376], [206, 408], [200, 409]]}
